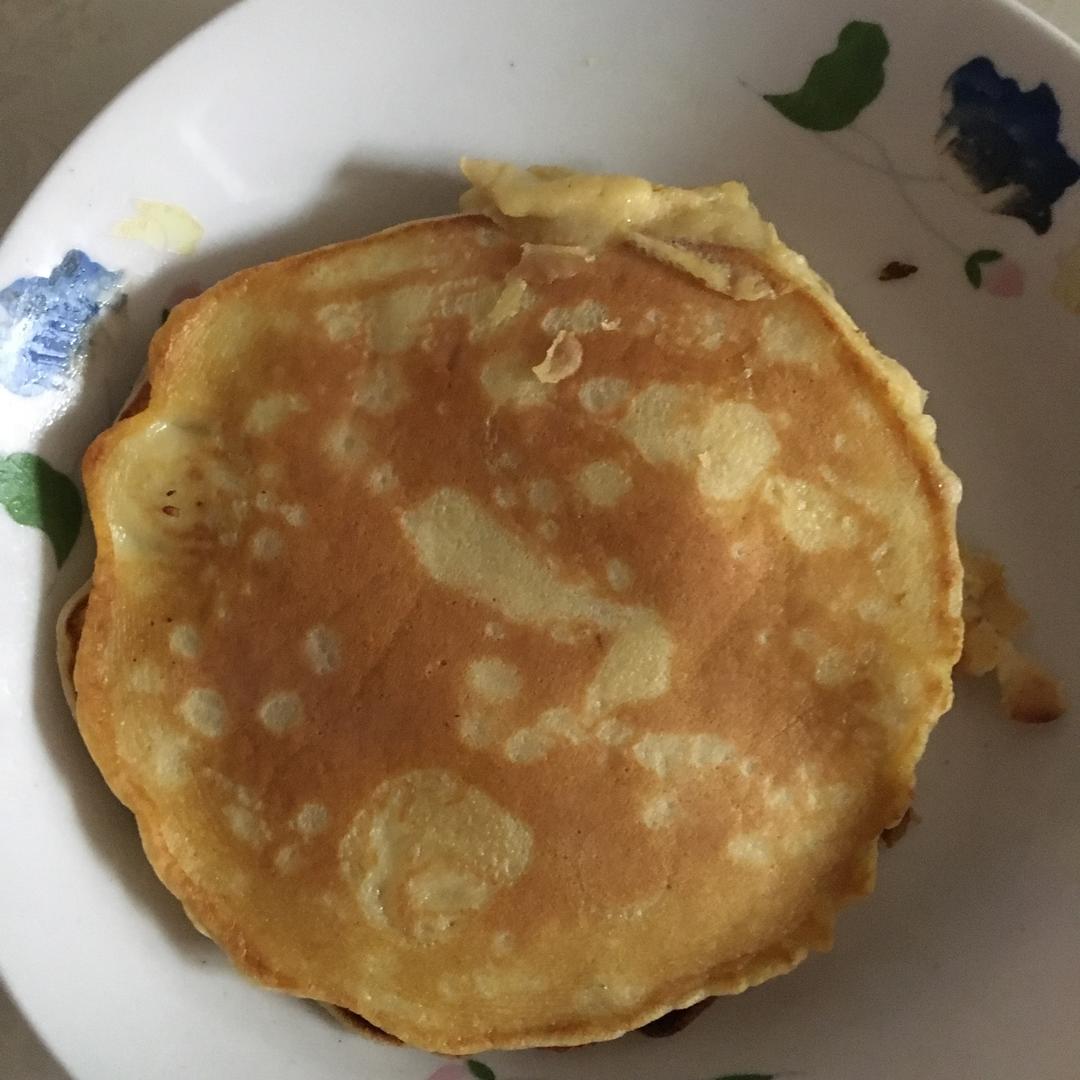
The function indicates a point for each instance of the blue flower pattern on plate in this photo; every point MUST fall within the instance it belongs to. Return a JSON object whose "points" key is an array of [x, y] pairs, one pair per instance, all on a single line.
{"points": [[1006, 142], [44, 322]]}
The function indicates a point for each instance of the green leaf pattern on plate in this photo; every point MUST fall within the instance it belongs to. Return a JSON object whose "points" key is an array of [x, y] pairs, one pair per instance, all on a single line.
{"points": [[480, 1070], [35, 494], [840, 84], [976, 261]]}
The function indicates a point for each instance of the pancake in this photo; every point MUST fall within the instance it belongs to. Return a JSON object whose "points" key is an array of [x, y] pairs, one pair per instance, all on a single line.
{"points": [[516, 626]]}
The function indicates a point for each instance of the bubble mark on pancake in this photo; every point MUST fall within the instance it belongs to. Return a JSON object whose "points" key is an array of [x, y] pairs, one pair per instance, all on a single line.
{"points": [[548, 529], [427, 851], [204, 710], [727, 445], [268, 412], [812, 517], [603, 483], [311, 819], [383, 391], [280, 712], [322, 650], [266, 545], [382, 479], [794, 337], [620, 577], [347, 442], [294, 515], [603, 394], [246, 825], [287, 859], [184, 641], [494, 679], [145, 677]]}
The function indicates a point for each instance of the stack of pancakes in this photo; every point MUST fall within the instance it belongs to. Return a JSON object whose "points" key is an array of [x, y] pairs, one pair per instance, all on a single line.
{"points": [[514, 626]]}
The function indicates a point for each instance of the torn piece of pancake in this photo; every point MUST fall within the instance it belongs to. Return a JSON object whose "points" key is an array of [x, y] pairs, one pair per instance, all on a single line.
{"points": [[992, 618], [502, 712]]}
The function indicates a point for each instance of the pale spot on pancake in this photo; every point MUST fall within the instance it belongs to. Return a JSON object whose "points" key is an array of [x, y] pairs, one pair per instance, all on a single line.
{"points": [[280, 712], [612, 732], [812, 517], [554, 726], [266, 544], [340, 322], [548, 529], [839, 441], [763, 636], [544, 496], [377, 261], [263, 502], [562, 359], [603, 483], [294, 515], [347, 442], [382, 479], [790, 336], [494, 678], [620, 577], [465, 548], [184, 641], [529, 744], [494, 631], [508, 380], [749, 848], [658, 813], [311, 819], [778, 798], [397, 317], [384, 389], [502, 943], [268, 412], [669, 753], [508, 461], [834, 667], [637, 666], [580, 319], [474, 302], [204, 710], [505, 497], [246, 825], [728, 445], [711, 328], [269, 472], [428, 850], [478, 728], [603, 393], [872, 609], [169, 758], [322, 650], [287, 858]]}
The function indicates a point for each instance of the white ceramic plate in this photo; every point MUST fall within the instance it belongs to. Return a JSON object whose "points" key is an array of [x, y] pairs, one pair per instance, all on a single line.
{"points": [[282, 126]]}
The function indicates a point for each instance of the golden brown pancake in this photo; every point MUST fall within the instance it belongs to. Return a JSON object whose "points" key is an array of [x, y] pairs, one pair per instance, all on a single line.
{"points": [[515, 626]]}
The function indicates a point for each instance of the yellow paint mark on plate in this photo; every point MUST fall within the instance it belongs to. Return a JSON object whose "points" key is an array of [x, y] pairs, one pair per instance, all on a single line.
{"points": [[161, 225], [1066, 284]]}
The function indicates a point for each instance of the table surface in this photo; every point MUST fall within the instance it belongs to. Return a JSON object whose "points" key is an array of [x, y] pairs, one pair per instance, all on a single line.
{"points": [[106, 43]]}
